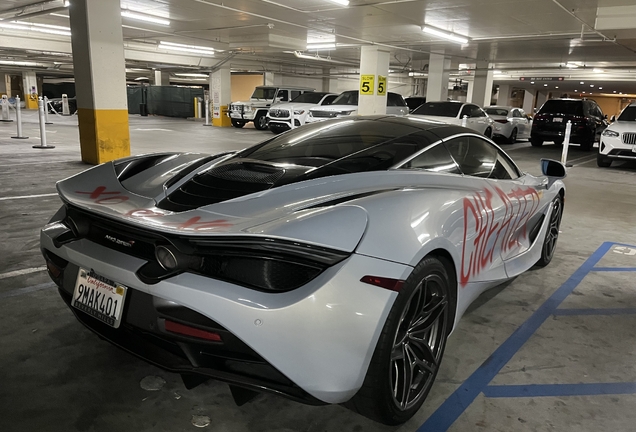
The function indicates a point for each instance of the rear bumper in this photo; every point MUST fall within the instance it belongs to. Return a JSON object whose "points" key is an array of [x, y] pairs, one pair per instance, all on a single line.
{"points": [[577, 136]]}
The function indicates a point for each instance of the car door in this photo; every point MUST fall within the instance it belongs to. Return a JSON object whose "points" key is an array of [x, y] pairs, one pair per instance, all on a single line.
{"points": [[477, 119], [524, 119], [520, 122], [499, 215]]}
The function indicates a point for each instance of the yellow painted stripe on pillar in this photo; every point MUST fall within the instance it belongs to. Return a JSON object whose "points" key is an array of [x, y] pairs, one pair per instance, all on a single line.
{"points": [[31, 101], [104, 134], [224, 120]]}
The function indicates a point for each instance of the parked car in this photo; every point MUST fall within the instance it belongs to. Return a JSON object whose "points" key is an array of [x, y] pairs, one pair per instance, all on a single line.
{"points": [[453, 112], [414, 101], [55, 105], [618, 141], [279, 115], [347, 104], [327, 264], [550, 122], [510, 123], [256, 108]]}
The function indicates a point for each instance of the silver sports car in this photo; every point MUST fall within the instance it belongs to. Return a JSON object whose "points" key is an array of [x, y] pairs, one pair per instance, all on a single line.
{"points": [[327, 264]]}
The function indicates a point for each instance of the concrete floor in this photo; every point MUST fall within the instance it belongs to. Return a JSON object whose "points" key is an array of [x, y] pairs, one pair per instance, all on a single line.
{"points": [[57, 376]]}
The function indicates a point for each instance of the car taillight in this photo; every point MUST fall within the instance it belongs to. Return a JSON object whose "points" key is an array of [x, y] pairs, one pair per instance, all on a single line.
{"points": [[540, 117], [383, 282], [185, 330], [502, 121]]}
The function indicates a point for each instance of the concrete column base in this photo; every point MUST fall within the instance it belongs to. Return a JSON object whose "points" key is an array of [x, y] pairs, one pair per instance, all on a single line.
{"points": [[104, 134]]}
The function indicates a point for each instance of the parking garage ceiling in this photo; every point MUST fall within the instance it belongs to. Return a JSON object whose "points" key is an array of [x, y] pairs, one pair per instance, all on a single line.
{"points": [[590, 41]]}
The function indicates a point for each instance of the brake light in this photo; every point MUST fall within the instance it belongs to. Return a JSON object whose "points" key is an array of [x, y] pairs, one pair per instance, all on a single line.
{"points": [[502, 121], [181, 329], [383, 282]]}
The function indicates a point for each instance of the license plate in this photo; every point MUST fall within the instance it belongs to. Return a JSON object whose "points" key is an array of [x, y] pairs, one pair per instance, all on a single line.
{"points": [[235, 115], [558, 119], [99, 297]]}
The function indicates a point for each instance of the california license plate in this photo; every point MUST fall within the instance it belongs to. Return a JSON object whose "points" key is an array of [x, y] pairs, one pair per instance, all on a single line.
{"points": [[558, 119], [99, 297]]}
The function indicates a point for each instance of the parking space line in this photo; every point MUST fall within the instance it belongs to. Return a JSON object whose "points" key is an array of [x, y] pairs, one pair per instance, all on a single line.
{"points": [[547, 390], [453, 407], [613, 269], [26, 290], [21, 272], [606, 311], [27, 196]]}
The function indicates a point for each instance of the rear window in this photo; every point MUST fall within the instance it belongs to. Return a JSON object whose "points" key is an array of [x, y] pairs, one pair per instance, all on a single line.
{"points": [[496, 111], [309, 97], [628, 114], [560, 106], [442, 109], [346, 98], [264, 93]]}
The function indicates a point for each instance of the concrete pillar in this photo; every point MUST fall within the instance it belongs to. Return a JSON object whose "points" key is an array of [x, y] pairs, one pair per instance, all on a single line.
{"points": [[326, 79], [220, 96], [5, 86], [30, 89], [374, 70], [503, 97], [162, 78], [438, 75], [272, 79], [541, 98], [528, 101], [469, 91], [100, 79], [482, 85]]}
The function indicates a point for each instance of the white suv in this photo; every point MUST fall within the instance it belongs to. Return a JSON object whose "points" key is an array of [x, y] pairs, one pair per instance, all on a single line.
{"points": [[347, 104], [280, 115], [256, 108], [618, 141]]}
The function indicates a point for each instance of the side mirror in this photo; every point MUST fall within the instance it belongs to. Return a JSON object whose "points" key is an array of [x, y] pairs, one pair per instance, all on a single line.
{"points": [[613, 118], [552, 168], [605, 116]]}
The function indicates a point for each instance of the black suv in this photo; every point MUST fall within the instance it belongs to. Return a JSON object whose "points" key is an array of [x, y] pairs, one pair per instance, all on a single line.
{"points": [[587, 119]]}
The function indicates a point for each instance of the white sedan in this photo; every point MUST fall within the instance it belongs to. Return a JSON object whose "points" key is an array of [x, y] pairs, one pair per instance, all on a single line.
{"points": [[618, 141], [457, 113], [510, 123]]}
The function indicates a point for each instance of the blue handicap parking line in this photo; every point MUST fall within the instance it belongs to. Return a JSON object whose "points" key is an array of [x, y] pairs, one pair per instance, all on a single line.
{"points": [[602, 311], [613, 269], [543, 390], [456, 403]]}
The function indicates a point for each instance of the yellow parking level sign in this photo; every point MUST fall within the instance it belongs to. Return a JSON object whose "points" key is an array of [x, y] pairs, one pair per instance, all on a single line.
{"points": [[367, 84], [381, 85]]}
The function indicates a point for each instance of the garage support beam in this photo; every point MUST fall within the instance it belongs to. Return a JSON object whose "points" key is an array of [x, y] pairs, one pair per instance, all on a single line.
{"points": [[541, 98], [100, 79], [374, 70], [30, 89], [503, 96], [162, 78], [438, 76], [220, 96], [272, 79], [528, 102], [482, 85]]}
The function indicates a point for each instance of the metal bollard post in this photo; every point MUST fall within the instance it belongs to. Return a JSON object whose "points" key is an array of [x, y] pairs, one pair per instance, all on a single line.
{"points": [[46, 111], [42, 127], [18, 119], [291, 117], [5, 109], [207, 113], [566, 143], [65, 109], [464, 121]]}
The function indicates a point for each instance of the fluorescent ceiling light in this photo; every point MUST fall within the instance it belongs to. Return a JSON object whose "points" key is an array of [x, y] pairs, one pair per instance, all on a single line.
{"points": [[186, 48], [571, 65], [341, 2], [144, 17], [195, 75], [600, 88], [582, 82], [42, 28], [444, 35], [19, 63], [317, 46], [591, 85], [596, 70], [59, 15]]}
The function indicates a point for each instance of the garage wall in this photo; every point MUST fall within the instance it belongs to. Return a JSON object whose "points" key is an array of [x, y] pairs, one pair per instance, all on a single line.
{"points": [[610, 105], [243, 85]]}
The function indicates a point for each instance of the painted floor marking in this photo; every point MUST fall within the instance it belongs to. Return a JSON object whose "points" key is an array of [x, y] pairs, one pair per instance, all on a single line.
{"points": [[552, 390], [613, 269], [21, 272], [608, 311], [27, 196], [453, 407], [26, 290]]}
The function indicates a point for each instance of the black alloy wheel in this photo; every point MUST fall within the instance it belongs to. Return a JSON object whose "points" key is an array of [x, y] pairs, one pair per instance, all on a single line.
{"points": [[552, 234], [513, 136], [260, 121], [409, 352], [237, 123]]}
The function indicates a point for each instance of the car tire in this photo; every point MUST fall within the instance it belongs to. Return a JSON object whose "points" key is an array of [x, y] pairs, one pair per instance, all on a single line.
{"points": [[260, 121], [513, 136], [238, 124], [417, 327], [488, 132], [603, 162], [552, 234], [536, 142]]}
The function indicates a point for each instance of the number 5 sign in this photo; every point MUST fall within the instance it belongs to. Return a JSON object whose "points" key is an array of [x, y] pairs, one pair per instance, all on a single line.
{"points": [[367, 84], [381, 85]]}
